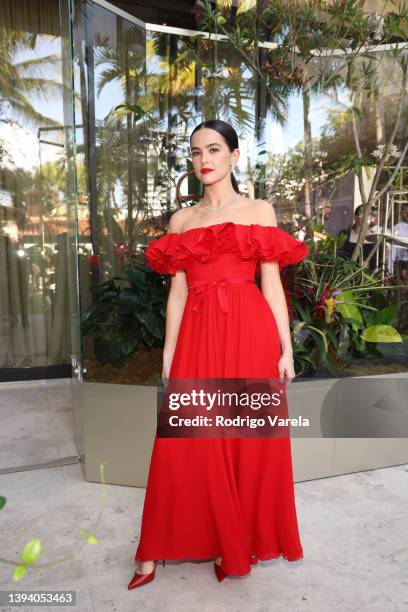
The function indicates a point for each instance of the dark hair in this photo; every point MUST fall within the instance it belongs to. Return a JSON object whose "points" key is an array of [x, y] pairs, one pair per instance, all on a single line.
{"points": [[357, 213], [228, 133]]}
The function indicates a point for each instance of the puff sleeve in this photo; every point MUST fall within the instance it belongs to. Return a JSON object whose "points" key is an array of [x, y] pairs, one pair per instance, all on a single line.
{"points": [[160, 254], [271, 243]]}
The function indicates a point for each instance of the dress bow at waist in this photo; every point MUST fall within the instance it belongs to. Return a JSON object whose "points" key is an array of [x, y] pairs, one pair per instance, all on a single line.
{"points": [[201, 286]]}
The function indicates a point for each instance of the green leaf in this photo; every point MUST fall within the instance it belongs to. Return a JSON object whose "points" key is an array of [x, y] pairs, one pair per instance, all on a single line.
{"points": [[347, 308], [94, 311], [125, 109], [88, 537], [297, 332], [129, 301], [111, 349], [19, 572], [108, 296], [305, 316], [134, 275], [2, 502], [381, 333], [355, 323], [32, 550], [368, 171], [153, 322], [387, 315], [246, 5], [322, 334]]}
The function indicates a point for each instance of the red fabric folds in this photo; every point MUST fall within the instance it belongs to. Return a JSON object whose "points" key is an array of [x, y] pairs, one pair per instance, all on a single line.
{"points": [[173, 251], [160, 254], [222, 497]]}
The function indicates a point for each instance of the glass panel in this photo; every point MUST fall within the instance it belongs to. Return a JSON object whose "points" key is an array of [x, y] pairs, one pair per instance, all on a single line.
{"points": [[71, 189], [178, 96], [109, 80], [139, 95], [33, 267], [34, 272], [190, 80]]}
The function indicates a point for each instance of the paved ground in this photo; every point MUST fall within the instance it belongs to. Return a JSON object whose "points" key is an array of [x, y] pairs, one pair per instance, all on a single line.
{"points": [[353, 529]]}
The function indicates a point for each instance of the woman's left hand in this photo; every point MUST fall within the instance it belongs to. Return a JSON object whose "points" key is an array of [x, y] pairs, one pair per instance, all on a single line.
{"points": [[286, 368]]}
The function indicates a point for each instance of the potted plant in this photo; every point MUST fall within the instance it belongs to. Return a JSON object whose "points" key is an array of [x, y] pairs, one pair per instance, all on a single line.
{"points": [[127, 324], [340, 313]]}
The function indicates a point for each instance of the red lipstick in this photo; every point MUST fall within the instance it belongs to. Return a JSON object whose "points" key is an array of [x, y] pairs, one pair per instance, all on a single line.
{"points": [[206, 170]]}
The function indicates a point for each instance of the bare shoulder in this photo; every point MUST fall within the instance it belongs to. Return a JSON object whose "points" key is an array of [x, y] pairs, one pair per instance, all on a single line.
{"points": [[178, 220], [264, 212]]}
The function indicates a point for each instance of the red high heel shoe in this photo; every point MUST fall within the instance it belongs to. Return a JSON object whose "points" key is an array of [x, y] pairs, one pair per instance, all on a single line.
{"points": [[219, 572], [141, 579]]}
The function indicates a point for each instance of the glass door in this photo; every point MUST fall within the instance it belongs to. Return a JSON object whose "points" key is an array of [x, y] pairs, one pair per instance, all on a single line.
{"points": [[104, 107], [70, 129]]}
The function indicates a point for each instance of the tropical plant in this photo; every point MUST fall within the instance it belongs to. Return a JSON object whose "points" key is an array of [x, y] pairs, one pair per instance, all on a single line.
{"points": [[20, 79], [339, 310], [126, 316], [284, 172], [331, 48]]}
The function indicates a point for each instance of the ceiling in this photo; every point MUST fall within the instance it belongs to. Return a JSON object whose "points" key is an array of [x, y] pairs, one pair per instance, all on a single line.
{"points": [[43, 15], [176, 13]]}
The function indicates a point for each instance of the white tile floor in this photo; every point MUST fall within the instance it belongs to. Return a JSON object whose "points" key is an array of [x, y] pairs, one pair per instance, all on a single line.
{"points": [[353, 529]]}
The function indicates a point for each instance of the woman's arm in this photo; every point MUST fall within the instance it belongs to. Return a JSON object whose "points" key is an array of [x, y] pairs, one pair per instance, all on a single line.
{"points": [[174, 312], [175, 306], [274, 294]]}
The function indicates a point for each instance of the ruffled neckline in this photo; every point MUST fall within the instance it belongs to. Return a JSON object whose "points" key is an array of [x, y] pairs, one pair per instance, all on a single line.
{"points": [[175, 250]]}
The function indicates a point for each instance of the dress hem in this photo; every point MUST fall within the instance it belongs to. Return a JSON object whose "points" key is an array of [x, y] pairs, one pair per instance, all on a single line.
{"points": [[254, 559]]}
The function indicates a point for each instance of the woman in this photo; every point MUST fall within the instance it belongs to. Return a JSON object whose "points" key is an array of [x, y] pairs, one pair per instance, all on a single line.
{"points": [[227, 499], [352, 235]]}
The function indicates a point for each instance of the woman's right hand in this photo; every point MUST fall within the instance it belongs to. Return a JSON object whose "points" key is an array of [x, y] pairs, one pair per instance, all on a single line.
{"points": [[167, 359]]}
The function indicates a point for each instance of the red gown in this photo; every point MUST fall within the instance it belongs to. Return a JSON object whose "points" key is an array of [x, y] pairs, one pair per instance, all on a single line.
{"points": [[222, 497]]}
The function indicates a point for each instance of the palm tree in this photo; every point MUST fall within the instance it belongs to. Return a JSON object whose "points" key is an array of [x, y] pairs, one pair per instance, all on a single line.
{"points": [[20, 80], [172, 85]]}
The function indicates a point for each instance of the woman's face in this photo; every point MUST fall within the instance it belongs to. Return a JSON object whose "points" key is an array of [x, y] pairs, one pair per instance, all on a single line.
{"points": [[358, 215], [373, 220], [211, 156]]}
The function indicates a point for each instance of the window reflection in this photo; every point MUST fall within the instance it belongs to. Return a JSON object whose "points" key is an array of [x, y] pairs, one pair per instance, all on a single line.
{"points": [[33, 273]]}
